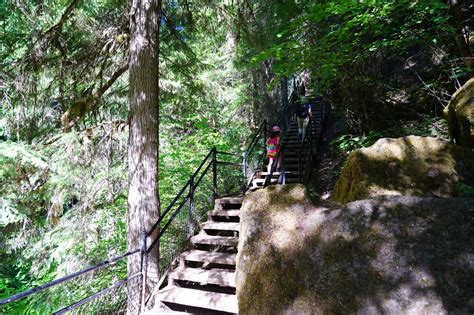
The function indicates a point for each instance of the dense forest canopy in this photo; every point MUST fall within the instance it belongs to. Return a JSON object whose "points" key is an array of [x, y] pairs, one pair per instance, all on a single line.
{"points": [[64, 107]]}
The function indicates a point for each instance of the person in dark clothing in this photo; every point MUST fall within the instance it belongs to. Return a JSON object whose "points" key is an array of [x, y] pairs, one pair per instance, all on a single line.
{"points": [[303, 114]]}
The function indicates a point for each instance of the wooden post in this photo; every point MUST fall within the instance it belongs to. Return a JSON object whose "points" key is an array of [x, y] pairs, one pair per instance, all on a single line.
{"points": [[191, 204], [214, 173], [143, 269], [265, 126]]}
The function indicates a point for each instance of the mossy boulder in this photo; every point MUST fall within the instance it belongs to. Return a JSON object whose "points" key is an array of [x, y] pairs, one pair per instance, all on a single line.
{"points": [[460, 115], [392, 255], [419, 166]]}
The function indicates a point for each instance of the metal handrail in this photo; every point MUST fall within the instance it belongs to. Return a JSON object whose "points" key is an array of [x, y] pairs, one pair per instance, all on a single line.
{"points": [[260, 133], [66, 278], [212, 163], [181, 192], [101, 292]]}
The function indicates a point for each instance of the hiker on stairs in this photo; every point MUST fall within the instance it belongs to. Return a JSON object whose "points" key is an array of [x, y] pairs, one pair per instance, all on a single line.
{"points": [[273, 146], [303, 114]]}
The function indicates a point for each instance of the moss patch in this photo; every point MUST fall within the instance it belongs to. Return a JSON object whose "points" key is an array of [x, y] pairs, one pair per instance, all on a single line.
{"points": [[390, 255], [419, 166]]}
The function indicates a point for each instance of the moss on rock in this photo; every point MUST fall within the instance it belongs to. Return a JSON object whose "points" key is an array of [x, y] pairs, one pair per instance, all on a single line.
{"points": [[390, 255], [419, 166], [460, 115]]}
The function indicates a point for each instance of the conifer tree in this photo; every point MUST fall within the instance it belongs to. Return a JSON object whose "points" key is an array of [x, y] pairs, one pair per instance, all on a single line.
{"points": [[143, 199]]}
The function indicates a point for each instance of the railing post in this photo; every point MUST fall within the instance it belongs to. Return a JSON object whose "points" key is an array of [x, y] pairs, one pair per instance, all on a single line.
{"points": [[299, 166], [282, 177], [143, 268], [244, 170], [265, 134], [191, 203], [214, 173]]}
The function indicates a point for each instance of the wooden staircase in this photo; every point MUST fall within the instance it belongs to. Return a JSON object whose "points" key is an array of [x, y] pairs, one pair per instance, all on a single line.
{"points": [[204, 281], [292, 144]]}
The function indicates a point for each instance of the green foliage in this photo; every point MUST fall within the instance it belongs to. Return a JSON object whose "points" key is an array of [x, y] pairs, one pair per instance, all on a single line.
{"points": [[425, 126], [330, 35], [378, 62], [465, 190], [348, 143]]}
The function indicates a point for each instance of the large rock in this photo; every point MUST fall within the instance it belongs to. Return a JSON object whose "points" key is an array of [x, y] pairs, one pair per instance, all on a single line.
{"points": [[460, 115], [419, 166], [396, 255]]}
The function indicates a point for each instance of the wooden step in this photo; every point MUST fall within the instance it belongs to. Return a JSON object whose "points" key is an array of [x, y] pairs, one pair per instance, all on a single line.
{"points": [[292, 167], [221, 277], [261, 181], [225, 213], [287, 174], [215, 240], [291, 152], [219, 203], [197, 298], [293, 146], [222, 226], [295, 160], [209, 257], [233, 200]]}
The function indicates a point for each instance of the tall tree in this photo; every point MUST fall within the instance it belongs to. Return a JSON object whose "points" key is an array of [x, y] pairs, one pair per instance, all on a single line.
{"points": [[143, 199]]}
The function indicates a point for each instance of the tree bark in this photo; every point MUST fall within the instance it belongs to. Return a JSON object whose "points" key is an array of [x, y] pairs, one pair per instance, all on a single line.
{"points": [[143, 198], [462, 41]]}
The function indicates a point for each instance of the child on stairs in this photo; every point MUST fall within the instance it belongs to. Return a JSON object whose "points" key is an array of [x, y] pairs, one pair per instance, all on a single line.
{"points": [[273, 146]]}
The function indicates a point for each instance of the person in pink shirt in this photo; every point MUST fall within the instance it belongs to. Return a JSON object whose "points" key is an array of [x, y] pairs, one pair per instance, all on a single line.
{"points": [[273, 146]]}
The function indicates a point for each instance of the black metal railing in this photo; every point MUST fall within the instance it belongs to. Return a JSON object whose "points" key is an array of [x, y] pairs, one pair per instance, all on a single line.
{"points": [[180, 220], [61, 295], [102, 288], [254, 154]]}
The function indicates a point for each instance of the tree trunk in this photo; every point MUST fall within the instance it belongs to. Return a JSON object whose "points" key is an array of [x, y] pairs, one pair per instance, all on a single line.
{"points": [[462, 33], [143, 200]]}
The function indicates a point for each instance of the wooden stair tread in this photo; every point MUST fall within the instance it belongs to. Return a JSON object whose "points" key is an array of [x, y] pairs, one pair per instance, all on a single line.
{"points": [[262, 180], [224, 226], [221, 277], [209, 257], [277, 173], [215, 240], [233, 200], [274, 180], [225, 213], [197, 298]]}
